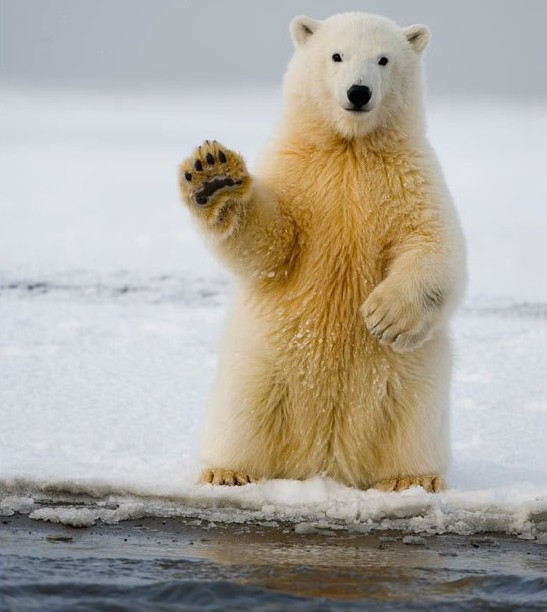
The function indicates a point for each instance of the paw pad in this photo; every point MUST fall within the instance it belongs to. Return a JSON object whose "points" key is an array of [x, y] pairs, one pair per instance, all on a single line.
{"points": [[210, 170]]}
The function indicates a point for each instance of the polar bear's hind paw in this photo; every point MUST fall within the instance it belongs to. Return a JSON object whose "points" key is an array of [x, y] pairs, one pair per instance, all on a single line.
{"points": [[431, 484], [224, 477]]}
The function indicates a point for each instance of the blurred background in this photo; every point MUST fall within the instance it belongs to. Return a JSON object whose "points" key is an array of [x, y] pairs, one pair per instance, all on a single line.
{"points": [[480, 47]]}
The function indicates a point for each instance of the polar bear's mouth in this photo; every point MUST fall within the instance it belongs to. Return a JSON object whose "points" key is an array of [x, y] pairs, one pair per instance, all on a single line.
{"points": [[358, 110]]}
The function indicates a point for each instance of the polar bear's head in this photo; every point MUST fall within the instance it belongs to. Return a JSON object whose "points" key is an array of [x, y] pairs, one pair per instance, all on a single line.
{"points": [[358, 71]]}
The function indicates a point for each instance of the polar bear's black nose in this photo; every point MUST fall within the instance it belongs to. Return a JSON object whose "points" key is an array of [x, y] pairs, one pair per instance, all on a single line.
{"points": [[359, 95]]}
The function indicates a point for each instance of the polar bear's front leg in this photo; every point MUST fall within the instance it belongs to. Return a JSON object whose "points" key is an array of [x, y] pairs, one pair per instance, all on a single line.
{"points": [[404, 310], [239, 213]]}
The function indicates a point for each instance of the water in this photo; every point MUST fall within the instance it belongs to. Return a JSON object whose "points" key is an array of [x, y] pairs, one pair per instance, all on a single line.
{"points": [[180, 564]]}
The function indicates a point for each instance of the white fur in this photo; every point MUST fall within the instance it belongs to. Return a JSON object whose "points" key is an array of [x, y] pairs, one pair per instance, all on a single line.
{"points": [[362, 40]]}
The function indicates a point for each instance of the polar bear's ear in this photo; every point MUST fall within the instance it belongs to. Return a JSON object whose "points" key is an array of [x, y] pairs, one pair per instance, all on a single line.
{"points": [[302, 28], [418, 36]]}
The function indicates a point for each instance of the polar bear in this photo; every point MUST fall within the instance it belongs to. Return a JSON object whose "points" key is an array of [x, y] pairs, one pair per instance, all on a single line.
{"points": [[349, 261]]}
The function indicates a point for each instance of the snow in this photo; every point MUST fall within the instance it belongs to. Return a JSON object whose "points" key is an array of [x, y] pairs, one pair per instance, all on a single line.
{"points": [[111, 309]]}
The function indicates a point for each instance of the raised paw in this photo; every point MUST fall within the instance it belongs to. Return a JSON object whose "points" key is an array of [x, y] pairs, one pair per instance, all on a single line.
{"points": [[431, 484], [401, 321], [229, 478], [212, 175]]}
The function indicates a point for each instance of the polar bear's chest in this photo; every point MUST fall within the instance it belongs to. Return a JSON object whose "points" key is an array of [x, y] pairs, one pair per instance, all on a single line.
{"points": [[348, 226], [353, 199], [351, 209]]}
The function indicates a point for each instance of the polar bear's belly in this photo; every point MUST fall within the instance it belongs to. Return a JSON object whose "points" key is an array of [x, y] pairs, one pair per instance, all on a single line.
{"points": [[332, 380], [313, 326]]}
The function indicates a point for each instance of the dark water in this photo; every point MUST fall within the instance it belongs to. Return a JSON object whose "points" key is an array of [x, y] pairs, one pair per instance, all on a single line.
{"points": [[177, 565]]}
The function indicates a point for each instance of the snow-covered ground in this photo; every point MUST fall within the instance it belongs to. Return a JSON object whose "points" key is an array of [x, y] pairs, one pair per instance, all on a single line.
{"points": [[111, 308]]}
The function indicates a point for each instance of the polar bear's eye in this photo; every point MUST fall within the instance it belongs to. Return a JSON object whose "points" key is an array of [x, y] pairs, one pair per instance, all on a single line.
{"points": [[337, 57], [383, 61]]}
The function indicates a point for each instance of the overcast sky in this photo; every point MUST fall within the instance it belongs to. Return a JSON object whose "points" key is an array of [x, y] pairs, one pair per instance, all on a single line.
{"points": [[479, 46]]}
